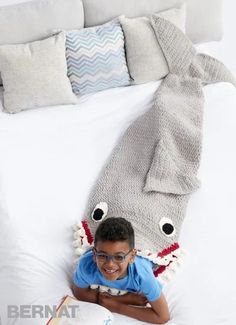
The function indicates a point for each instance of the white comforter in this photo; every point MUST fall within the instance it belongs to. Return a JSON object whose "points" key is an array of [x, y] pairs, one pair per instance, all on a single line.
{"points": [[49, 160]]}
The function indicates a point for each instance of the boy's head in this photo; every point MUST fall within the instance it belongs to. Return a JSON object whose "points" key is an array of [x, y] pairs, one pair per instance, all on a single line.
{"points": [[114, 247], [115, 229]]}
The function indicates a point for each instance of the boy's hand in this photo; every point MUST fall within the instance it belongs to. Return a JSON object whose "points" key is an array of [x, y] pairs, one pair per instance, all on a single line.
{"points": [[108, 301], [135, 299], [130, 298]]}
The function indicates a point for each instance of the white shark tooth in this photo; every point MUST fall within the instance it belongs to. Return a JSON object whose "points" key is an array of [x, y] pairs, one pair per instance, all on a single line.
{"points": [[152, 256], [75, 227], [146, 252], [155, 260], [102, 288], [79, 251], [173, 267], [114, 291], [166, 275], [76, 235], [178, 252], [179, 261], [86, 246], [81, 232], [173, 258], [76, 243], [163, 260]]}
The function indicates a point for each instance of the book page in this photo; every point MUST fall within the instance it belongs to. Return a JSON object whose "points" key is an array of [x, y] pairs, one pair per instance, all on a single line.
{"points": [[74, 312]]}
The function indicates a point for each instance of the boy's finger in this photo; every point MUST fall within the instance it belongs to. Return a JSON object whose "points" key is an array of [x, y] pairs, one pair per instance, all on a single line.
{"points": [[105, 294]]}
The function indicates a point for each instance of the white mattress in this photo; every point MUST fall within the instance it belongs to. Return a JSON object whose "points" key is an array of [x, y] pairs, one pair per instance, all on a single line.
{"points": [[49, 160]]}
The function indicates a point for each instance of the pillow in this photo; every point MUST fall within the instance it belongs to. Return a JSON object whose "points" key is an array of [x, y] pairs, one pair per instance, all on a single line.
{"points": [[204, 17], [33, 20], [175, 15], [145, 59], [35, 74], [96, 58]]}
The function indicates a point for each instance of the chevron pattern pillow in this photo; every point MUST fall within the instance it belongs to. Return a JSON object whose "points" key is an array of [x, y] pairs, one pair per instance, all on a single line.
{"points": [[96, 58]]}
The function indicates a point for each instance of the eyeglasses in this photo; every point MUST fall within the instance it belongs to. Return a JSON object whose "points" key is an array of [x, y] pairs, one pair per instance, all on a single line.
{"points": [[103, 257]]}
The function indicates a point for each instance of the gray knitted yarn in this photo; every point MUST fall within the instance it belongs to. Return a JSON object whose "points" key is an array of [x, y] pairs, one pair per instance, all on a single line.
{"points": [[153, 170]]}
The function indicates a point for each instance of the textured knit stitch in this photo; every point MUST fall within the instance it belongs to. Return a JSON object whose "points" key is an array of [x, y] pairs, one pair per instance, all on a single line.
{"points": [[153, 169]]}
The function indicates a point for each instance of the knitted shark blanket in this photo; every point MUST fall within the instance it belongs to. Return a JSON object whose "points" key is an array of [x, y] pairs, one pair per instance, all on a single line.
{"points": [[153, 169]]}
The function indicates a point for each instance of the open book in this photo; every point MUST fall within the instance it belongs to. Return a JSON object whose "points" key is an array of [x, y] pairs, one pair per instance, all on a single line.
{"points": [[74, 312]]}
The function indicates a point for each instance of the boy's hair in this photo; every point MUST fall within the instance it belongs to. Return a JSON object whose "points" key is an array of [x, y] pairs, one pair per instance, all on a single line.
{"points": [[115, 229]]}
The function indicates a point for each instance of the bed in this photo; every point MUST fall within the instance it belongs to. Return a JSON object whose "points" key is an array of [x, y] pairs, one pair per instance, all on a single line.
{"points": [[50, 159]]}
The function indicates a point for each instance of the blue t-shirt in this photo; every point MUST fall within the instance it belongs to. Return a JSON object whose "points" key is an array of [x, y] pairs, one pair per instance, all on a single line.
{"points": [[139, 278]]}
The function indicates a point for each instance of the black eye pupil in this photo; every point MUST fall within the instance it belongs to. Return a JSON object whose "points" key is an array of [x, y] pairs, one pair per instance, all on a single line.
{"points": [[167, 228], [97, 215]]}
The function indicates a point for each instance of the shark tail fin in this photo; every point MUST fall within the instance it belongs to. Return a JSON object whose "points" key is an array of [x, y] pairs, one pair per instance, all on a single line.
{"points": [[182, 57], [177, 48], [210, 70]]}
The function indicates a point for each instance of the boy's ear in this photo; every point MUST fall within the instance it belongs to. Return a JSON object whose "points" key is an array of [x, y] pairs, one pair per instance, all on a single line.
{"points": [[94, 257], [132, 256]]}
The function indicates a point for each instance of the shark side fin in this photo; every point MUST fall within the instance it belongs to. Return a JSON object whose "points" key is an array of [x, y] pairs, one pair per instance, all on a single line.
{"points": [[165, 176]]}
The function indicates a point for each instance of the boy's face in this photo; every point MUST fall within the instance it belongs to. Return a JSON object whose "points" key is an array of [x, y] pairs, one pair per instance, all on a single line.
{"points": [[109, 258]]}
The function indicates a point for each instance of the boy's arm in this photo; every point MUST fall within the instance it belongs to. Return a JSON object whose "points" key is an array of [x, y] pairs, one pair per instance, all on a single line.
{"points": [[130, 298], [91, 295], [85, 294], [158, 313]]}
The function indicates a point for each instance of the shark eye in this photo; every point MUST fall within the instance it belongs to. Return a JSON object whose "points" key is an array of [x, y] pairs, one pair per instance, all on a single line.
{"points": [[167, 227], [99, 212]]}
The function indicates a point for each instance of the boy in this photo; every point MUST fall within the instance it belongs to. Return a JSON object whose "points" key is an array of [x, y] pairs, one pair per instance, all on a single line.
{"points": [[113, 263]]}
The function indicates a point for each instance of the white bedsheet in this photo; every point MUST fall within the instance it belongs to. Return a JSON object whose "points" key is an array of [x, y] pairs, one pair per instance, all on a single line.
{"points": [[49, 160]]}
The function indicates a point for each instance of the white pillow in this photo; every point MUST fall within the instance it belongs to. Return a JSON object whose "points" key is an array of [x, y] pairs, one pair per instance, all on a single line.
{"points": [[34, 20], [35, 74], [145, 59], [176, 16]]}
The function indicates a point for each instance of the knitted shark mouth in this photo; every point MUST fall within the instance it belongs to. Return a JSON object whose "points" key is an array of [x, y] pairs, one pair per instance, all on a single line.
{"points": [[166, 262]]}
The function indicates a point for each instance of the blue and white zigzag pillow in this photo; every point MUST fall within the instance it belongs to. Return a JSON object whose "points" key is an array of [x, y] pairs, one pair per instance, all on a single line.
{"points": [[96, 58]]}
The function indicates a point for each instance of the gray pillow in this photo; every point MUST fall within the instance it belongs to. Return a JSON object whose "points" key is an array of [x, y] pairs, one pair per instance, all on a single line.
{"points": [[203, 22], [35, 74], [145, 59]]}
